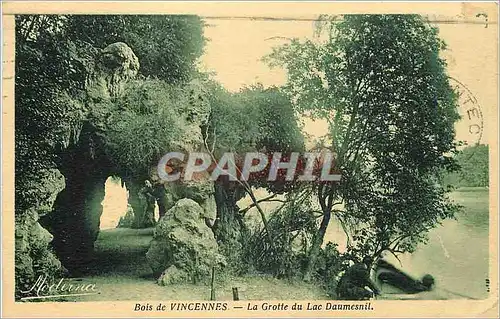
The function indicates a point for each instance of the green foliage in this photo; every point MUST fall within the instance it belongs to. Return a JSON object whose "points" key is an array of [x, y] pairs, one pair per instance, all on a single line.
{"points": [[232, 126], [256, 118], [331, 263], [382, 86], [144, 126], [474, 168], [276, 121], [400, 219], [49, 111], [291, 227], [167, 46]]}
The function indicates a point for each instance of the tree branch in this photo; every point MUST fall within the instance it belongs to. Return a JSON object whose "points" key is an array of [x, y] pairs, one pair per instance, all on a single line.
{"points": [[266, 199]]}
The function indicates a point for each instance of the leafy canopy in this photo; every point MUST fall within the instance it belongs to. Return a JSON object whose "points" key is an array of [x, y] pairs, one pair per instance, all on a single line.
{"points": [[382, 86], [167, 46], [256, 119]]}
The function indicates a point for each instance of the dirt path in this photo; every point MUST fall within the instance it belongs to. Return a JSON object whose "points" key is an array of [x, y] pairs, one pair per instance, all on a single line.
{"points": [[121, 272]]}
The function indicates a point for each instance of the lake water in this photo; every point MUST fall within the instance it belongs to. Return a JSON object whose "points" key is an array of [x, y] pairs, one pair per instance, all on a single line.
{"points": [[456, 254]]}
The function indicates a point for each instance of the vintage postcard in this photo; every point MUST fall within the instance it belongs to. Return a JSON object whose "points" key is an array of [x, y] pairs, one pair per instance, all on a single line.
{"points": [[249, 159]]}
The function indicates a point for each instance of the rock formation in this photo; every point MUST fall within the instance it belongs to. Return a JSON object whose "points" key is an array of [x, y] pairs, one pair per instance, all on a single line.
{"points": [[66, 201], [33, 257], [85, 164], [183, 248]]}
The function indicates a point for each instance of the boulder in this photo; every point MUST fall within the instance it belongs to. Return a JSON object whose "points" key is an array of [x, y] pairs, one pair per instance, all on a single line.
{"points": [[41, 192], [173, 275], [183, 248], [113, 67], [33, 257], [202, 192]]}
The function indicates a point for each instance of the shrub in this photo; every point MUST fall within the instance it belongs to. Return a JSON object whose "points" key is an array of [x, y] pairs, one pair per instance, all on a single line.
{"points": [[330, 264], [143, 125], [291, 228]]}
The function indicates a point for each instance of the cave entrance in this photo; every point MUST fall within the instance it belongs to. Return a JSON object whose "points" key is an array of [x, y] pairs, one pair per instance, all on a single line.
{"points": [[121, 251], [114, 205]]}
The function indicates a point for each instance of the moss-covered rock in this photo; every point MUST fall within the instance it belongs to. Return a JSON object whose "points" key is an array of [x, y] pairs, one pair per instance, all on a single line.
{"points": [[33, 254], [33, 257], [85, 163], [114, 66], [202, 192], [173, 275], [182, 239]]}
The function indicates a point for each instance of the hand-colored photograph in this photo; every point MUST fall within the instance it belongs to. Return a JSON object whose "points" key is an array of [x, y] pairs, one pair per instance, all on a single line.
{"points": [[220, 158]]}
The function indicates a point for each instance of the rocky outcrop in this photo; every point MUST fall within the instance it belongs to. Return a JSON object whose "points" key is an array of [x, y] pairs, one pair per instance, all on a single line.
{"points": [[34, 257], [183, 248], [67, 203], [115, 65], [192, 116], [85, 163]]}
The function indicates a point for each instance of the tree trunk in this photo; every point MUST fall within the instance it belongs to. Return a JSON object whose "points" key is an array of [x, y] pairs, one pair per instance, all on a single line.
{"points": [[227, 228], [316, 245]]}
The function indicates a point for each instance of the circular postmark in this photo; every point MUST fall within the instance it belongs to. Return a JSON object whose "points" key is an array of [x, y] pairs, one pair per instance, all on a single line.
{"points": [[470, 126]]}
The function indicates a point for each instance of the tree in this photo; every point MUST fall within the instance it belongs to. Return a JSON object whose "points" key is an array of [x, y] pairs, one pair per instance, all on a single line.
{"points": [[380, 83], [256, 119]]}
